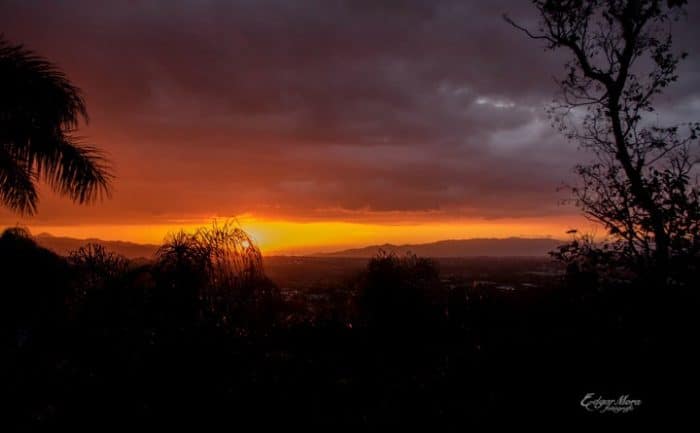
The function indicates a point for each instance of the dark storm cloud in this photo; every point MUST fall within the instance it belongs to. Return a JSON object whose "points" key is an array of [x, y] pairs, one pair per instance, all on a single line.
{"points": [[306, 106]]}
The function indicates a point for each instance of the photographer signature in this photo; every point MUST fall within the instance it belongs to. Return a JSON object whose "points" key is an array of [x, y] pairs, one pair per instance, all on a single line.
{"points": [[596, 403]]}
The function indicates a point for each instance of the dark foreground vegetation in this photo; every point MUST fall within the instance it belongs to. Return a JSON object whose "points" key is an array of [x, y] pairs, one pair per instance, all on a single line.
{"points": [[201, 337]]}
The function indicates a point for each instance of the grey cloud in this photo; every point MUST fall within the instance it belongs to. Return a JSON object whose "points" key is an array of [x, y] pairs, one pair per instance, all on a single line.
{"points": [[320, 104]]}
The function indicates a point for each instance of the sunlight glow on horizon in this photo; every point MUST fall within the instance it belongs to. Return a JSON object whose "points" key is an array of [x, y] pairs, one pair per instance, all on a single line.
{"points": [[293, 237]]}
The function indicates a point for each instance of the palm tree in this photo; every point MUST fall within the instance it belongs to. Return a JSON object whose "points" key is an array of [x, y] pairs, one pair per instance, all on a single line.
{"points": [[39, 111]]}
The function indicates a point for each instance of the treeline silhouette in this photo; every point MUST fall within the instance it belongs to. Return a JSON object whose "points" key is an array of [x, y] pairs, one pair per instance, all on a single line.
{"points": [[201, 337]]}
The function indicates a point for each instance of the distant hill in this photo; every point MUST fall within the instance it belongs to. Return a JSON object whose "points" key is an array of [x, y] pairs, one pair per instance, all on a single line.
{"points": [[63, 245], [509, 247]]}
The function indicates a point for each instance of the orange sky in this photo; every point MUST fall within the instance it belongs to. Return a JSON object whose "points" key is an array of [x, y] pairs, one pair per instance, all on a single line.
{"points": [[317, 135], [290, 237]]}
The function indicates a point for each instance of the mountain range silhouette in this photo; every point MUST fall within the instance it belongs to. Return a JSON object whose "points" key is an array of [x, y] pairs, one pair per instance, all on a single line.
{"points": [[477, 247]]}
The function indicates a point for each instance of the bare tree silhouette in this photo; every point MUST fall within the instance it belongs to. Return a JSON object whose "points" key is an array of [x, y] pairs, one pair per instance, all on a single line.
{"points": [[40, 110], [639, 186]]}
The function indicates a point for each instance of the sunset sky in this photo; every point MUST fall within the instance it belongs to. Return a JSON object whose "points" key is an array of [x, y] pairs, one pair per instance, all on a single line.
{"points": [[320, 124]]}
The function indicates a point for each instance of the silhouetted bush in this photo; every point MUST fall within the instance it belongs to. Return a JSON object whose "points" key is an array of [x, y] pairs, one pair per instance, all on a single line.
{"points": [[221, 269], [181, 275], [34, 287], [592, 265], [96, 268], [110, 303], [399, 294]]}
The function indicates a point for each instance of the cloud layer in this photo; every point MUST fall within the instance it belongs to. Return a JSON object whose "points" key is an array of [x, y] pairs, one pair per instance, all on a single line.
{"points": [[321, 109]]}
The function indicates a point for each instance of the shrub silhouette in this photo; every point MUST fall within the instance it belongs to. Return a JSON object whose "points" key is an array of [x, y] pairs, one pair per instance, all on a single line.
{"points": [[218, 267], [181, 274], [34, 287], [397, 293], [104, 294], [234, 262], [98, 268]]}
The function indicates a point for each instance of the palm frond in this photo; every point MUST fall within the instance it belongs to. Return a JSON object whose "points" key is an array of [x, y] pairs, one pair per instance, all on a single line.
{"points": [[39, 110], [38, 87], [76, 170], [17, 189]]}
